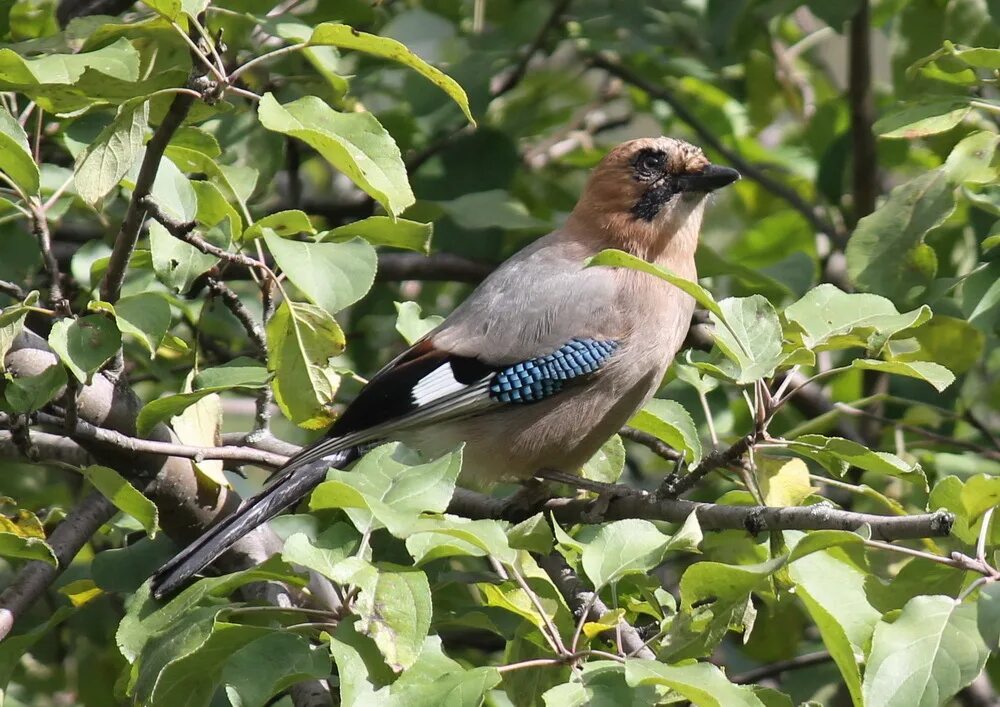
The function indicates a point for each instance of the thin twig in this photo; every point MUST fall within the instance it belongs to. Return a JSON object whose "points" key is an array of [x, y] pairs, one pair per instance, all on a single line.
{"points": [[520, 70], [184, 230], [86, 432], [653, 444], [239, 70], [928, 434], [672, 487], [782, 666], [555, 640], [40, 227], [233, 303], [12, 290]]}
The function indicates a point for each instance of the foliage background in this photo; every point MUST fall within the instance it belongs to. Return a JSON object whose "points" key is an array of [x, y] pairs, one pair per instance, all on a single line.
{"points": [[867, 136]]}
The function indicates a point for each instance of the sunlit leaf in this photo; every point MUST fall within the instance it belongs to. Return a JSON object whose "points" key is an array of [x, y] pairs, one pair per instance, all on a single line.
{"points": [[354, 143], [347, 37]]}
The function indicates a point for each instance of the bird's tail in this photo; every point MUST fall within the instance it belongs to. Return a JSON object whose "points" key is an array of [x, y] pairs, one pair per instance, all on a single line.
{"points": [[296, 480]]}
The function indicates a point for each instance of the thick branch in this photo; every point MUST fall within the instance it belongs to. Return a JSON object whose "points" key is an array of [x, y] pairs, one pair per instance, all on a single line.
{"points": [[65, 540], [581, 599], [128, 234], [780, 190], [712, 516], [865, 168], [439, 266], [89, 433]]}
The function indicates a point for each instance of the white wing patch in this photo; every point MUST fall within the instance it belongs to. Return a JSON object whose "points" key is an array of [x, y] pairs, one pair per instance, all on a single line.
{"points": [[435, 385]]}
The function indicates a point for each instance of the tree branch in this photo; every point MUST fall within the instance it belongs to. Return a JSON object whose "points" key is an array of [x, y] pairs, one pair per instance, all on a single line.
{"points": [[86, 432], [811, 213], [859, 88], [128, 234], [583, 600], [438, 266], [66, 540], [769, 671], [713, 516], [520, 70]]}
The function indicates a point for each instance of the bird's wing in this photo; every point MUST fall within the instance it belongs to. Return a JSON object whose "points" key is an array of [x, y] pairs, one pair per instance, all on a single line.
{"points": [[538, 324]]}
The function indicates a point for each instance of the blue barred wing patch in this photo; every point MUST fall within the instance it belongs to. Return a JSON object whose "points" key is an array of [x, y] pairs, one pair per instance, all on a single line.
{"points": [[537, 379]]}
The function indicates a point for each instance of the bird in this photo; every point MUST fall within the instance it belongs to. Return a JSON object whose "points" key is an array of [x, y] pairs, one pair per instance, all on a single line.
{"points": [[544, 361]]}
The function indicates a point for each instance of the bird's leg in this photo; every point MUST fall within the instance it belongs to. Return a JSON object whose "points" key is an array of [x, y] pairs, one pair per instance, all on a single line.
{"points": [[606, 493], [526, 501]]}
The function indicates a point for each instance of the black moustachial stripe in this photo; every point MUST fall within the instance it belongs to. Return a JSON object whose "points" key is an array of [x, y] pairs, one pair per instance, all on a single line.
{"points": [[653, 199], [537, 379]]}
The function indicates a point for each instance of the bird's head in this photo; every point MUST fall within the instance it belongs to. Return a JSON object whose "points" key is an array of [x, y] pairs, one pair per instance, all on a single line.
{"points": [[647, 193]]}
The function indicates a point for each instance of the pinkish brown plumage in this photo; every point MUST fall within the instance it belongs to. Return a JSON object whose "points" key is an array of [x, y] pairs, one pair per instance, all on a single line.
{"points": [[544, 361]]}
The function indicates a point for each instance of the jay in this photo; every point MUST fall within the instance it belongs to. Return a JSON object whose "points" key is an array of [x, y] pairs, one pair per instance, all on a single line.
{"points": [[544, 361]]}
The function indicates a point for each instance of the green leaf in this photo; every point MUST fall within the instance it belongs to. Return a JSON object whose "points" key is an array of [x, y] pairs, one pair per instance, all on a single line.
{"points": [[885, 253], [394, 609], [837, 643], [971, 160], [146, 316], [930, 652], [346, 37], [988, 615], [268, 665], [384, 231], [749, 334], [332, 546], [123, 495], [331, 275], [836, 582], [949, 341], [783, 482], [624, 547], [495, 208], [533, 534], [26, 548], [85, 344], [107, 159], [620, 259], [12, 323], [409, 323], [933, 373], [33, 392], [240, 373], [177, 264], [431, 538], [14, 648], [829, 318], [922, 119], [980, 493], [703, 684], [854, 454], [390, 487], [354, 143], [284, 223], [301, 340], [15, 156], [670, 422], [608, 462], [171, 190]]}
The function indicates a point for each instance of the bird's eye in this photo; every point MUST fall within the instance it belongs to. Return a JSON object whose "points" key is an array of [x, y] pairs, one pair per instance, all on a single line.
{"points": [[650, 162]]}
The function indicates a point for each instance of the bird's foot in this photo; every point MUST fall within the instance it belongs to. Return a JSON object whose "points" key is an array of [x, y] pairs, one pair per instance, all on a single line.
{"points": [[606, 493], [526, 501]]}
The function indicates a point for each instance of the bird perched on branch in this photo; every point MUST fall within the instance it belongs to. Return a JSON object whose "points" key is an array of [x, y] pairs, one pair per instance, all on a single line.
{"points": [[544, 361]]}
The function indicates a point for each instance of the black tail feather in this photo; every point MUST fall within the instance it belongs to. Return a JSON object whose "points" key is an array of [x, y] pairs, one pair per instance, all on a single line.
{"points": [[292, 484]]}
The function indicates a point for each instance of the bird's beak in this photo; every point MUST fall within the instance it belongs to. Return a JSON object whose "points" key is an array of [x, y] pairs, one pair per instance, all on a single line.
{"points": [[709, 179]]}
